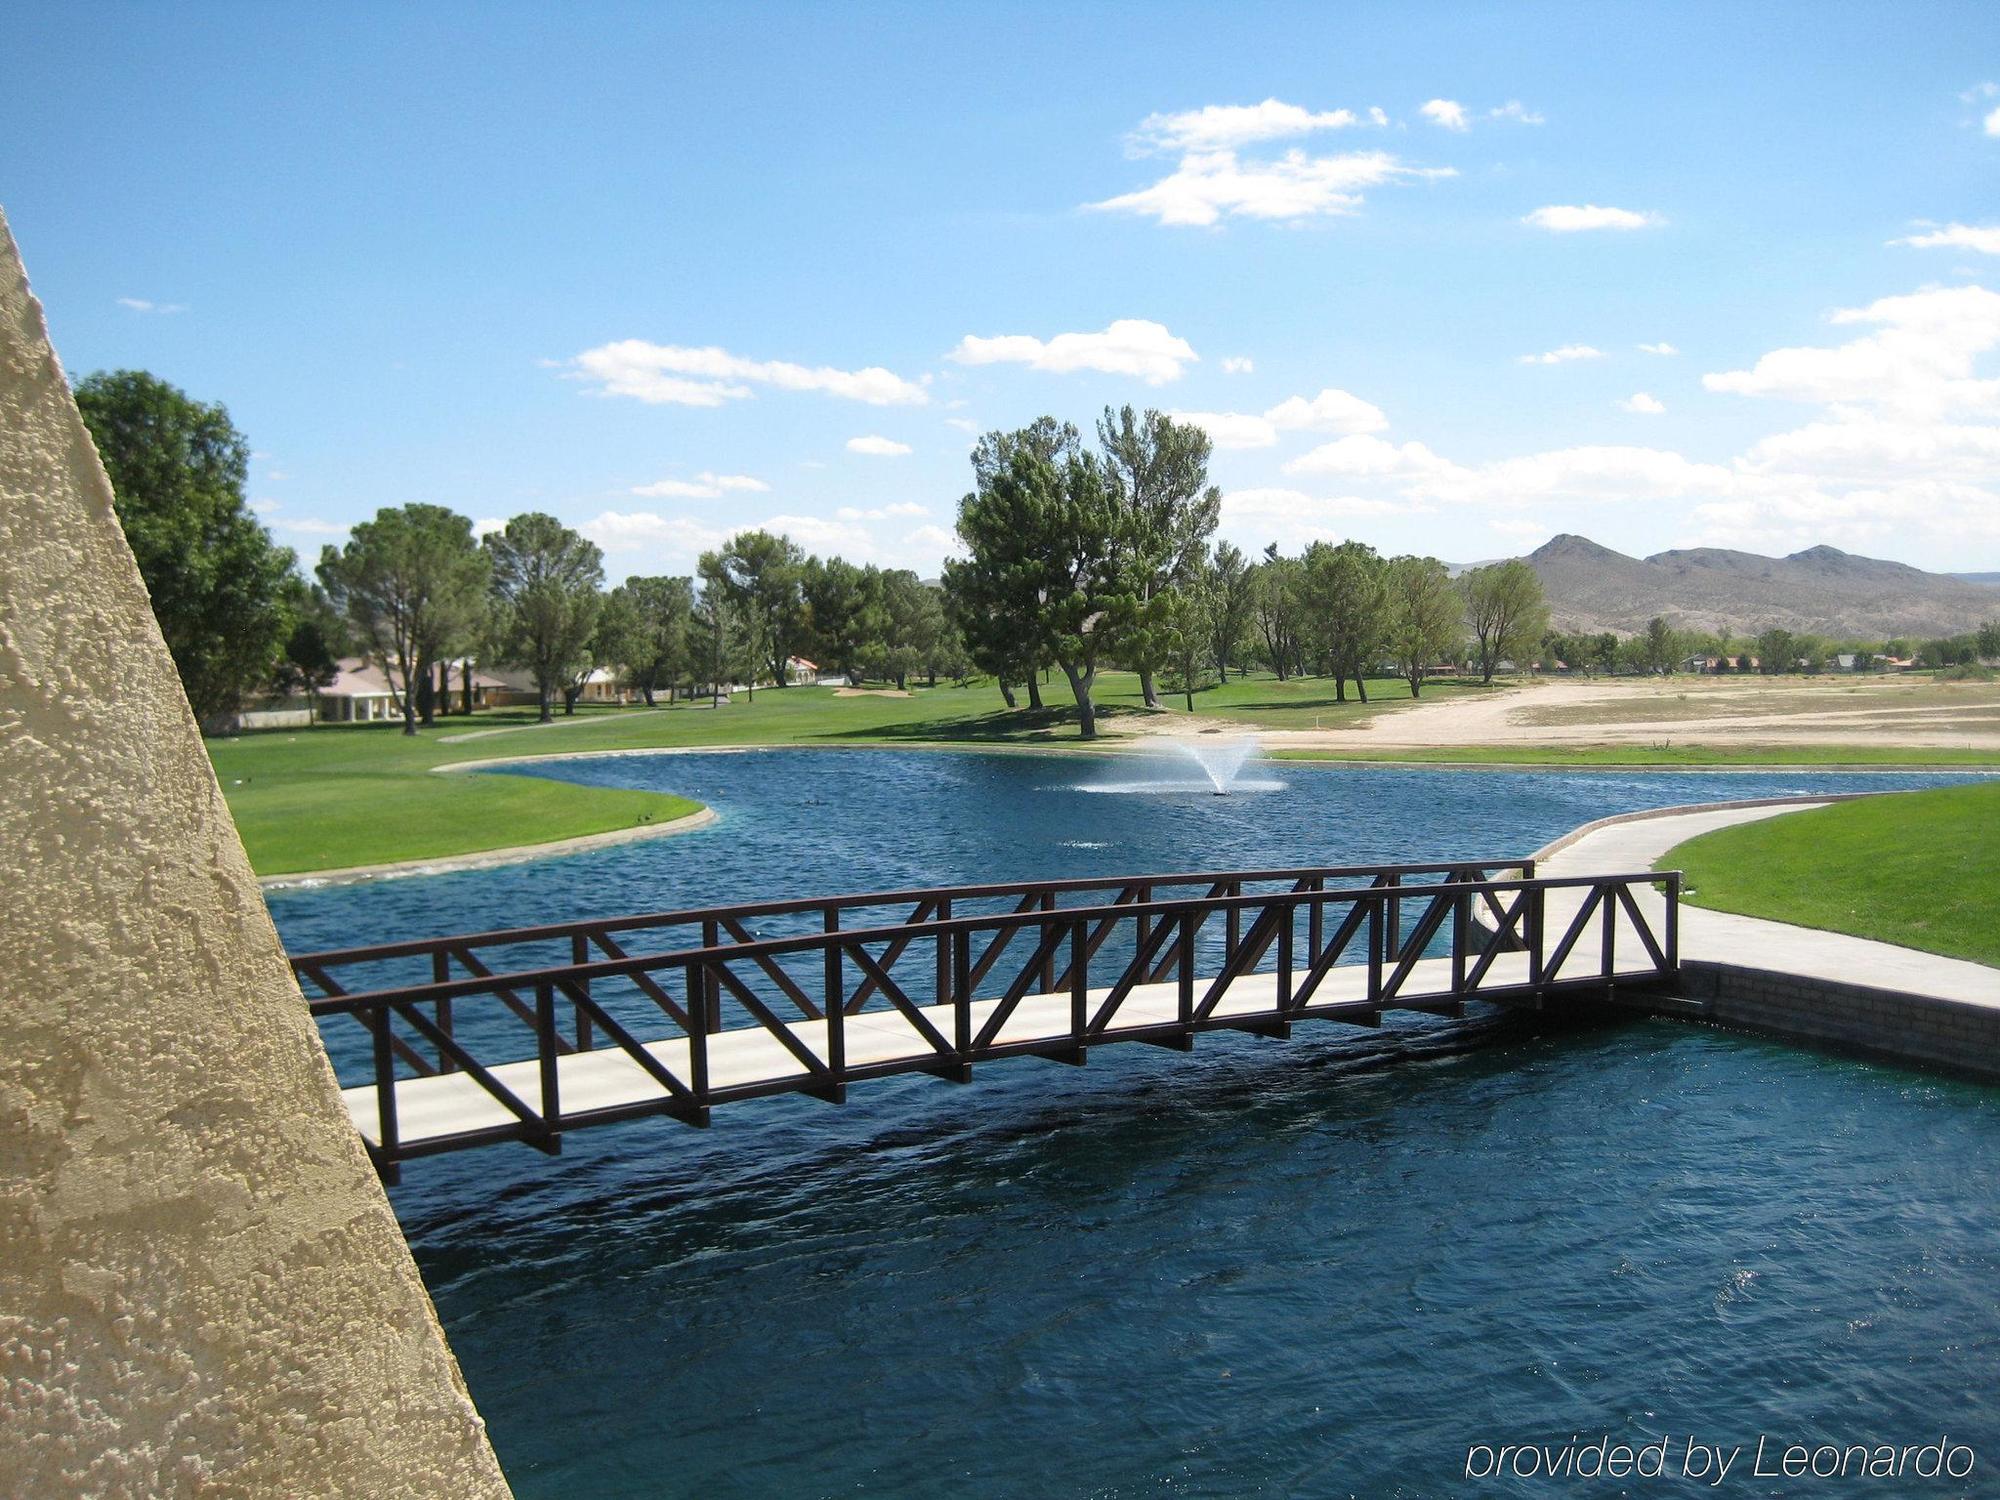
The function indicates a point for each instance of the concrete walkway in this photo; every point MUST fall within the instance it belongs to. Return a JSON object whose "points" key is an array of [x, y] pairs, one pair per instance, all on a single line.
{"points": [[1752, 943]]}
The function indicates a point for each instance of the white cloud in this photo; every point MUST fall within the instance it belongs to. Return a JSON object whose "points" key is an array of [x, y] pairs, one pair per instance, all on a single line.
{"points": [[1209, 185], [1237, 364], [1363, 456], [1566, 218], [1921, 361], [1993, 123], [928, 544], [902, 508], [632, 531], [1860, 447], [673, 374], [1983, 238], [1643, 404], [487, 525], [826, 537], [1594, 474], [1222, 127], [1562, 356], [1293, 518], [704, 486], [309, 526], [1518, 112], [877, 446], [161, 309], [1130, 346], [963, 424], [1600, 474], [1902, 453], [1330, 411], [1231, 429], [1446, 112], [1658, 349]]}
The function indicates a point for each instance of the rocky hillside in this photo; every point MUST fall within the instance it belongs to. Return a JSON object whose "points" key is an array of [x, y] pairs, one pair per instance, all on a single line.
{"points": [[1822, 590]]}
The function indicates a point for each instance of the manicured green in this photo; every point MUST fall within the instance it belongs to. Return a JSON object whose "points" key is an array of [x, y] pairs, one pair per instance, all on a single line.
{"points": [[341, 795], [333, 797], [1921, 869], [1662, 756], [336, 795]]}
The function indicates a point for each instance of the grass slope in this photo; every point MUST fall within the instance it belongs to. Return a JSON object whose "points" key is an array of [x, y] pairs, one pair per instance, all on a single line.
{"points": [[1921, 869], [341, 795], [1664, 757], [333, 797]]}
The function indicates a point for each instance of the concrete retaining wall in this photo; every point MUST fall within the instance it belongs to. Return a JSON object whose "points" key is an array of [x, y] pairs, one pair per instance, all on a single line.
{"points": [[1881, 1023]]}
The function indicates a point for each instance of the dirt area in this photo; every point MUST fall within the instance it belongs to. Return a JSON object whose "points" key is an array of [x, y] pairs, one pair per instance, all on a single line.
{"points": [[1907, 711], [855, 692]]}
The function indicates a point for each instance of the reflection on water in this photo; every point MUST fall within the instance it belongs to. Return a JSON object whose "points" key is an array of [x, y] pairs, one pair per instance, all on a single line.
{"points": [[1321, 1266]]}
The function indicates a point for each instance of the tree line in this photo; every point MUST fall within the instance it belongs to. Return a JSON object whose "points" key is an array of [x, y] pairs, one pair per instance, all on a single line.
{"points": [[1078, 557], [1081, 557]]}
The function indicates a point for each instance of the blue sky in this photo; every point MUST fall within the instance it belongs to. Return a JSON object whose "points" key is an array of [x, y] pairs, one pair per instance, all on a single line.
{"points": [[668, 271]]}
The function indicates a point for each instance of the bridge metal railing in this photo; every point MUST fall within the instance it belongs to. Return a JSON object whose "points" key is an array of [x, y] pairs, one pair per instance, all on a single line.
{"points": [[1410, 937]]}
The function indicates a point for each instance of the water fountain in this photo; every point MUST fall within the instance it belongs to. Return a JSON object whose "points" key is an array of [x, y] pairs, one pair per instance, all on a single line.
{"points": [[1221, 762]]}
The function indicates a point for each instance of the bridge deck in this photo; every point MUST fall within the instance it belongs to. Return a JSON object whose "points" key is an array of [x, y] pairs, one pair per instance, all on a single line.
{"points": [[1191, 952], [749, 1061]]}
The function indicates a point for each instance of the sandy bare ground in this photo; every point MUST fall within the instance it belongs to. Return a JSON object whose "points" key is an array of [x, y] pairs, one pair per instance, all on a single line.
{"points": [[1683, 711]]}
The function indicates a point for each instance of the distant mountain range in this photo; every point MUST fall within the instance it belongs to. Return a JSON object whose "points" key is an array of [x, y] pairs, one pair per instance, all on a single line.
{"points": [[1822, 590]]}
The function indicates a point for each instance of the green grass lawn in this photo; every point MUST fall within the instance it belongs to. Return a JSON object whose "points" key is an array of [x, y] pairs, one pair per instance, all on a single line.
{"points": [[1921, 869], [1662, 756], [342, 795], [336, 796]]}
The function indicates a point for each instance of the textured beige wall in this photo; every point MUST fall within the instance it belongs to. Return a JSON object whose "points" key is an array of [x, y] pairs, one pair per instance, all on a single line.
{"points": [[202, 1288]]}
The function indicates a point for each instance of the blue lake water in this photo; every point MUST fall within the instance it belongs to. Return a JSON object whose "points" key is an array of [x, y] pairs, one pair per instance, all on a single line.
{"points": [[1315, 1267]]}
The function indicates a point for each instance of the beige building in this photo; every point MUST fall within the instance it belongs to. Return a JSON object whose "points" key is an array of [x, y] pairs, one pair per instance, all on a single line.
{"points": [[203, 1291]]}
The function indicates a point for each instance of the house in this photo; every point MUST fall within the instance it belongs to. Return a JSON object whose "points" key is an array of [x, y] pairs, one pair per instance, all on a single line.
{"points": [[801, 673], [360, 693], [516, 685]]}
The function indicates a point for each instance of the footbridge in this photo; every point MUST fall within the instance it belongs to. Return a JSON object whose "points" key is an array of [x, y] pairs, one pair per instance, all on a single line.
{"points": [[446, 1043]]}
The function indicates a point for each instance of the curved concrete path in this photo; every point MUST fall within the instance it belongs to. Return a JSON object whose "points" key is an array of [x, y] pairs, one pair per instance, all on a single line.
{"points": [[1715, 937]]}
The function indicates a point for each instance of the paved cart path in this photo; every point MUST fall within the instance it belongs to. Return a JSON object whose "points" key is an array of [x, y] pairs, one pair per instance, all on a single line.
{"points": [[1637, 843]]}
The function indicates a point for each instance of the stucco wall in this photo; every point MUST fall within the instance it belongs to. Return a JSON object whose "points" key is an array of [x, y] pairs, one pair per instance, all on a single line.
{"points": [[202, 1287]]}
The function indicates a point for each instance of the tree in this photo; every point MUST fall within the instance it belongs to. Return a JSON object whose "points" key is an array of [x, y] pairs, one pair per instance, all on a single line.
{"points": [[1506, 610], [1662, 648], [177, 468], [408, 582], [1342, 601], [1422, 616], [1234, 597], [718, 624], [1158, 469], [1048, 545], [766, 573], [1604, 652], [1776, 651], [905, 627], [1187, 634], [1275, 608], [1988, 640], [545, 587], [644, 632], [838, 597], [313, 646], [997, 614]]}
